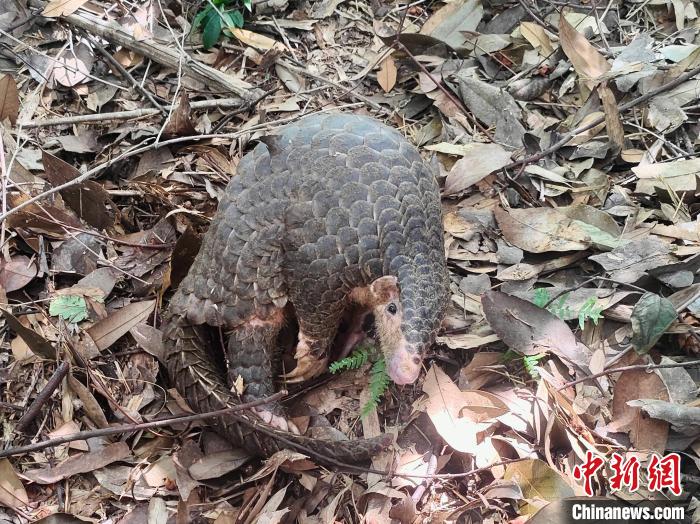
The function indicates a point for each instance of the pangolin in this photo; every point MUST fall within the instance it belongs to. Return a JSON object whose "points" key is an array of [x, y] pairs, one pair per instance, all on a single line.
{"points": [[330, 212]]}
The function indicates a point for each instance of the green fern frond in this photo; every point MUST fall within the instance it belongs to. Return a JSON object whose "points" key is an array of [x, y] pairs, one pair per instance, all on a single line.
{"points": [[592, 310], [378, 385], [354, 360], [530, 363]]}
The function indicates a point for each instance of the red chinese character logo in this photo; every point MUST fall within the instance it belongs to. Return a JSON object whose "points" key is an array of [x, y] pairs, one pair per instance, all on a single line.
{"points": [[587, 470], [665, 473], [625, 473]]}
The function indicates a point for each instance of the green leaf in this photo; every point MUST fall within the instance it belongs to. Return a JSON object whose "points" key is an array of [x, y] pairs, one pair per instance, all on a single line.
{"points": [[237, 18], [71, 308], [200, 17], [212, 30], [248, 5], [232, 19], [651, 317], [541, 297], [598, 236]]}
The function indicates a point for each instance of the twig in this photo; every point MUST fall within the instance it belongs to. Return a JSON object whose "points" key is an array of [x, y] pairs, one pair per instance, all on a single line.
{"points": [[536, 17], [346, 91], [43, 396], [249, 106], [7, 405], [137, 151], [115, 33], [124, 73], [588, 281], [647, 367], [128, 428], [135, 113], [624, 107], [287, 44]]}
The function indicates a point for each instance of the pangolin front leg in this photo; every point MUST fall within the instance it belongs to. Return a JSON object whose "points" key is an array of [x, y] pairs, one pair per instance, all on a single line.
{"points": [[313, 346], [251, 351]]}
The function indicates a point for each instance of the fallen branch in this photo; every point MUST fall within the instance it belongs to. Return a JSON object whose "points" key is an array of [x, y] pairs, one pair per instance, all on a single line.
{"points": [[128, 428], [155, 145], [166, 56], [634, 367], [42, 397], [127, 115]]}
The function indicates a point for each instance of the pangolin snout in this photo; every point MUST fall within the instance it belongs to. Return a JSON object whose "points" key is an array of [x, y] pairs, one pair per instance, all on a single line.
{"points": [[404, 364]]}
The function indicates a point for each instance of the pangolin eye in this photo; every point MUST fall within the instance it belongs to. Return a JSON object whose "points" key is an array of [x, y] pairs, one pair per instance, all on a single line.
{"points": [[391, 308]]}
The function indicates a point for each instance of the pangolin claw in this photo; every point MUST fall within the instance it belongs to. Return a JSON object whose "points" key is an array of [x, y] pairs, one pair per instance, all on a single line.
{"points": [[308, 367], [276, 421]]}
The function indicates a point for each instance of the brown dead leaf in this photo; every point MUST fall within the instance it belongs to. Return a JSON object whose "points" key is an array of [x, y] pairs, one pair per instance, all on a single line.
{"points": [[451, 23], [539, 483], [539, 230], [586, 59], [46, 219], [466, 340], [68, 428], [214, 465], [481, 369], [16, 273], [613, 122], [292, 80], [38, 344], [149, 339], [479, 161], [89, 199], [258, 41], [12, 493], [9, 99], [90, 405], [138, 261], [404, 510], [56, 8], [128, 58], [386, 76], [160, 473], [645, 432], [82, 463], [459, 416], [529, 329], [73, 66], [107, 331], [407, 463], [537, 36], [180, 121]]}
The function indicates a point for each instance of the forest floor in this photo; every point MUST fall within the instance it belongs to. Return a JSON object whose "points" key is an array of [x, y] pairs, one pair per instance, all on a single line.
{"points": [[564, 139]]}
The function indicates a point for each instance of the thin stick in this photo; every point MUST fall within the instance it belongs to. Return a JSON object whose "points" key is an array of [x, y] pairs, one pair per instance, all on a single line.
{"points": [[135, 113], [128, 428], [43, 396], [124, 73], [647, 367], [137, 151]]}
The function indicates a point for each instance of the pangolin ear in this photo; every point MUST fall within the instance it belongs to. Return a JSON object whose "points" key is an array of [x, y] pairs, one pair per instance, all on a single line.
{"points": [[385, 289]]}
